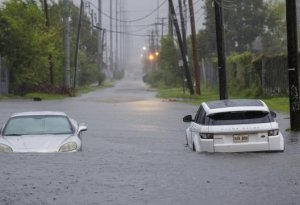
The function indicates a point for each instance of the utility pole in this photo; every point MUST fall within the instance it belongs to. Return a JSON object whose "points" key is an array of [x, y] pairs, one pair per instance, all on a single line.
{"points": [[162, 26], [77, 45], [170, 23], [92, 15], [183, 31], [104, 44], [157, 30], [67, 44], [182, 21], [221, 50], [185, 64], [50, 55], [195, 50], [122, 34], [100, 42], [110, 38], [117, 36], [292, 45]]}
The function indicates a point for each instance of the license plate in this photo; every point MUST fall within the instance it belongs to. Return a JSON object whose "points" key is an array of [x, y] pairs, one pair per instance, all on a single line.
{"points": [[240, 138]]}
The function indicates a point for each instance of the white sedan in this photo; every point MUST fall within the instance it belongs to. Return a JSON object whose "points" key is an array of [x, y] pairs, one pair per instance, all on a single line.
{"points": [[41, 131], [233, 126]]}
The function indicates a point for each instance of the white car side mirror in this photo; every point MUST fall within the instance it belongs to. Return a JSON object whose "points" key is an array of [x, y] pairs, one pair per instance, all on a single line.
{"points": [[82, 127]]}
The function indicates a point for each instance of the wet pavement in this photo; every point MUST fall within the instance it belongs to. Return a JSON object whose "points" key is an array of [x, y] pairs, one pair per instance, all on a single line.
{"points": [[134, 153]]}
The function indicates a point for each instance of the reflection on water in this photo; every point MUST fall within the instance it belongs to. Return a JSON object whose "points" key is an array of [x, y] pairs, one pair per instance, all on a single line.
{"points": [[292, 137], [146, 106]]}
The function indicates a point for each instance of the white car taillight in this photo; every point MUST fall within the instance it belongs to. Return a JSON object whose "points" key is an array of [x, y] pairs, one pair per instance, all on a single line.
{"points": [[206, 135], [273, 132]]}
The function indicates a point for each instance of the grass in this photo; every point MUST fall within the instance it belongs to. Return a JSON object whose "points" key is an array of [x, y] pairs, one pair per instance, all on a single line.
{"points": [[44, 96], [178, 94], [87, 89], [279, 104], [47, 96]]}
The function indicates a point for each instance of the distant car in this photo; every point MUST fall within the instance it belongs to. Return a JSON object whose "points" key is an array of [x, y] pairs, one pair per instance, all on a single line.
{"points": [[41, 131], [233, 126]]}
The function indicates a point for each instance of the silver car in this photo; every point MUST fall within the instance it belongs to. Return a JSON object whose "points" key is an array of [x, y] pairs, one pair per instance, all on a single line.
{"points": [[41, 131]]}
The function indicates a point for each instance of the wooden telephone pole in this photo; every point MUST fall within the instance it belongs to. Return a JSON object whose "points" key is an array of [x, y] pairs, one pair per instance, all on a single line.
{"points": [[221, 50], [195, 50], [185, 64], [292, 44]]}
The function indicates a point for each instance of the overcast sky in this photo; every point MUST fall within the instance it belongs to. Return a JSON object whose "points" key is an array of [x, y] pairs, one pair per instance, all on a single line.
{"points": [[138, 9]]}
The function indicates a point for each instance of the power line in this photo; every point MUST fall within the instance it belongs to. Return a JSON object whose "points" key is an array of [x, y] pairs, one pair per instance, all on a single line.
{"points": [[134, 20], [120, 32], [228, 4]]}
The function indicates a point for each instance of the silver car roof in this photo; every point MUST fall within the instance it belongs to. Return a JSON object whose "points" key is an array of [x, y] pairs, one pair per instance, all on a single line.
{"points": [[33, 113], [219, 106]]}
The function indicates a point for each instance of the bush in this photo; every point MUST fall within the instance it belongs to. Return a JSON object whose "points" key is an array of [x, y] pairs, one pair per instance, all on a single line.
{"points": [[101, 78]]}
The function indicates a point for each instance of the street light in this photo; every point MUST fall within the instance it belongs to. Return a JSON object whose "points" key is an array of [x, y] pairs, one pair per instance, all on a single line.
{"points": [[150, 57]]}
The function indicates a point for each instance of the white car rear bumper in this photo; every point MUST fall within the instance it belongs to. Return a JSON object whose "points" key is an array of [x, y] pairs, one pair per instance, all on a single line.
{"points": [[275, 143]]}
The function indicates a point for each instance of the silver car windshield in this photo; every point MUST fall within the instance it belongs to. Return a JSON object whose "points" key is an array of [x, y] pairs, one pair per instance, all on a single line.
{"points": [[37, 125], [242, 117]]}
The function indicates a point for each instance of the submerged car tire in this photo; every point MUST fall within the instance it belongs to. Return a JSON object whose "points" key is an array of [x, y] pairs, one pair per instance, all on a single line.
{"points": [[187, 142]]}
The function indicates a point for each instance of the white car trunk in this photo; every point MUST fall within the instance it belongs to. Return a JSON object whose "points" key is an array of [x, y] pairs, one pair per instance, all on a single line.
{"points": [[237, 138]]}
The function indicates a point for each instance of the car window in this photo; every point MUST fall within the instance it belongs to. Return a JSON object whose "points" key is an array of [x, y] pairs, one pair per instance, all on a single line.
{"points": [[244, 117], [200, 117], [32, 125], [197, 114]]}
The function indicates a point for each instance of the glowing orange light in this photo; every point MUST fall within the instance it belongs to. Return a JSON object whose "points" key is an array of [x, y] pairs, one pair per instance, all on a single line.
{"points": [[156, 53], [151, 57]]}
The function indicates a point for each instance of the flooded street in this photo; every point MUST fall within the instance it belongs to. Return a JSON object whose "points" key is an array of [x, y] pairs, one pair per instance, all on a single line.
{"points": [[134, 153]]}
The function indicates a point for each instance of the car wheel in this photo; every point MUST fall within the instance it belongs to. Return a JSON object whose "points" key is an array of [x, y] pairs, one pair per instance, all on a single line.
{"points": [[187, 142]]}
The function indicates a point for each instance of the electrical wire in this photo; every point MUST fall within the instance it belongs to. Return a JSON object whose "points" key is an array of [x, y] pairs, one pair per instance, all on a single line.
{"points": [[228, 4], [121, 32], [135, 20]]}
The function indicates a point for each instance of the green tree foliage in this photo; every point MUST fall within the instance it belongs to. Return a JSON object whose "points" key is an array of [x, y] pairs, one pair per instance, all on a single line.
{"points": [[244, 21], [26, 43], [167, 74], [88, 71], [206, 38], [274, 37], [88, 46]]}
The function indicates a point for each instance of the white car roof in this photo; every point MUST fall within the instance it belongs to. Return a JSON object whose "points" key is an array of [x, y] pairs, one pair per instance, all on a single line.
{"points": [[32, 113], [220, 106]]}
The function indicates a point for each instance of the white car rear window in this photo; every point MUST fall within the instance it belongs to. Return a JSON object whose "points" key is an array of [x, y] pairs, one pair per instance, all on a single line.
{"points": [[244, 117]]}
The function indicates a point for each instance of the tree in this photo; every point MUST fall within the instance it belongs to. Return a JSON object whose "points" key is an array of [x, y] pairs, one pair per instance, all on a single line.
{"points": [[206, 37], [274, 36], [25, 47], [243, 22], [87, 46], [26, 41], [167, 74]]}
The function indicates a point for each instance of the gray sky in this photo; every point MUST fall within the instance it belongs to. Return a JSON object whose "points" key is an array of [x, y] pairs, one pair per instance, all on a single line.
{"points": [[137, 9]]}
